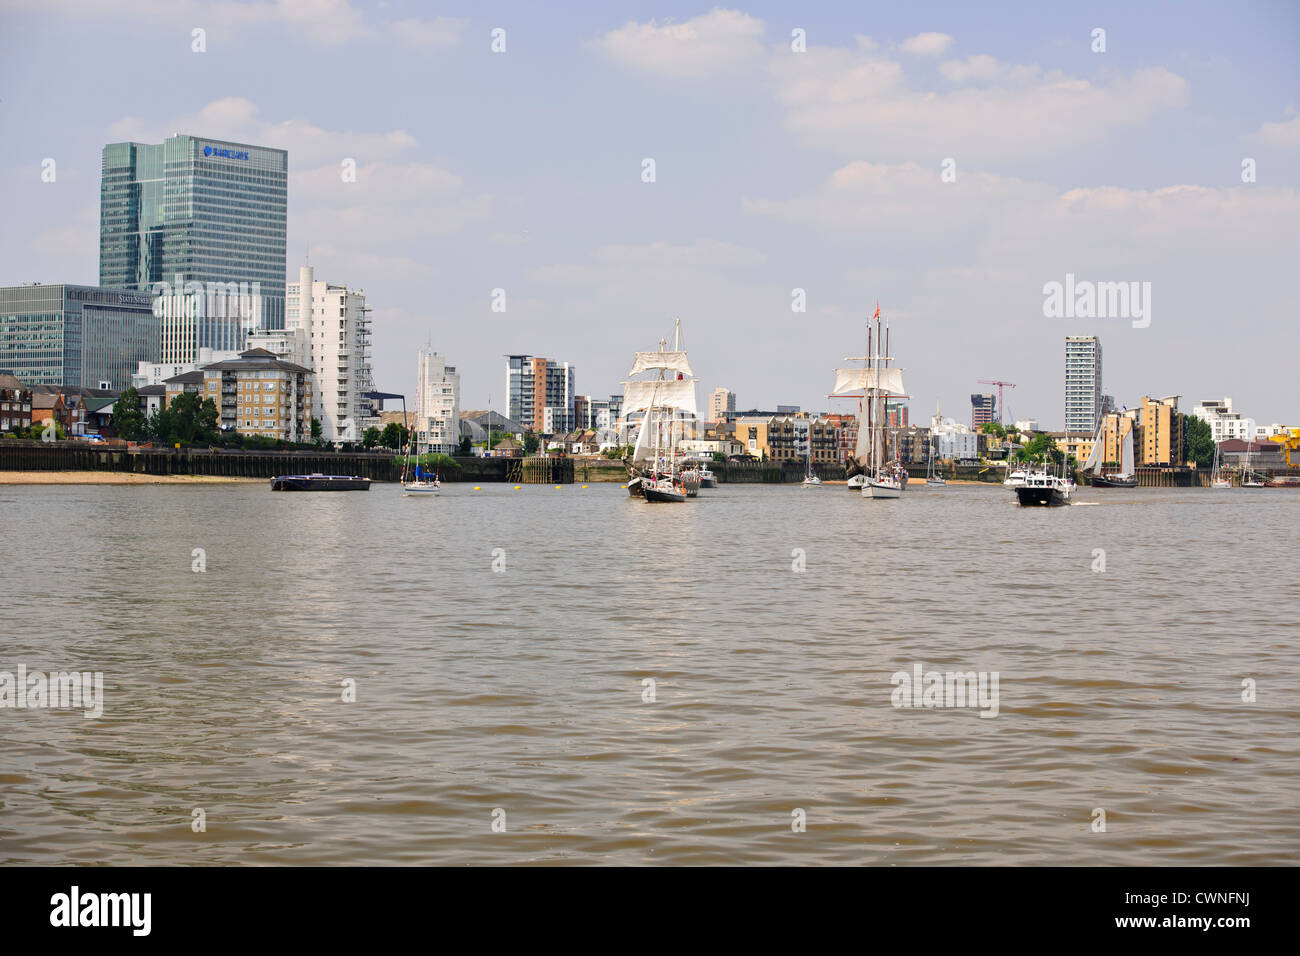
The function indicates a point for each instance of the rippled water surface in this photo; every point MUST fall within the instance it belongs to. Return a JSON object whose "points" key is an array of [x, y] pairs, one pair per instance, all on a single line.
{"points": [[521, 689]]}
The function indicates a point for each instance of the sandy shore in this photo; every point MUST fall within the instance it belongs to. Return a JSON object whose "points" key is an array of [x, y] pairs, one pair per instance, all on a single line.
{"points": [[112, 478]]}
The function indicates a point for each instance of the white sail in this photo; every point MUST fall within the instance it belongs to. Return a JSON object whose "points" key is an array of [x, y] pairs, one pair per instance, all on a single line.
{"points": [[1126, 463], [655, 361], [1093, 463], [862, 448], [676, 393], [849, 381]]}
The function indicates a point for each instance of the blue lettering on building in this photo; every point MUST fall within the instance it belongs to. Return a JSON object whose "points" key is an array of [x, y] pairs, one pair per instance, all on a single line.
{"points": [[226, 153]]}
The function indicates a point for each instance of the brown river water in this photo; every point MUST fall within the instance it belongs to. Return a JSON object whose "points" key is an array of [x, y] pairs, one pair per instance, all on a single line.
{"points": [[501, 716]]}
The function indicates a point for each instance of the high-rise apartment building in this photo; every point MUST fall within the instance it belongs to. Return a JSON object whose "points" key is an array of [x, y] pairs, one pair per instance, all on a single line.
{"points": [[437, 404], [541, 393], [722, 405], [76, 335], [983, 409], [336, 321], [197, 214], [255, 394], [1160, 432], [1224, 422], [1083, 399]]}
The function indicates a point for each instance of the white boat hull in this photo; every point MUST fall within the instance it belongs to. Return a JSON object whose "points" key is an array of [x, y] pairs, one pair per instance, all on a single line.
{"points": [[856, 482], [420, 489], [882, 489]]}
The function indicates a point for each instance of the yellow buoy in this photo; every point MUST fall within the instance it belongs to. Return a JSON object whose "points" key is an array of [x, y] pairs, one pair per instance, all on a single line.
{"points": [[477, 488], [584, 486], [516, 487], [557, 487]]}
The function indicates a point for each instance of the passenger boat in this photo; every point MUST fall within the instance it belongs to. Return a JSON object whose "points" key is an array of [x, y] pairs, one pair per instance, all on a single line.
{"points": [[319, 482]]}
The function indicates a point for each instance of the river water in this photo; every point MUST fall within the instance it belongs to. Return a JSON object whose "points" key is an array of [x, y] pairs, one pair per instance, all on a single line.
{"points": [[505, 716]]}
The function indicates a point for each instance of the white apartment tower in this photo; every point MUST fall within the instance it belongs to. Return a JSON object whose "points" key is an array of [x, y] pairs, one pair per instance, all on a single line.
{"points": [[1082, 384], [336, 321], [437, 404], [722, 405]]}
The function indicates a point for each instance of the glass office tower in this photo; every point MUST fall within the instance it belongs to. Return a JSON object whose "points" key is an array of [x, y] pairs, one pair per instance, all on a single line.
{"points": [[195, 210], [76, 334]]}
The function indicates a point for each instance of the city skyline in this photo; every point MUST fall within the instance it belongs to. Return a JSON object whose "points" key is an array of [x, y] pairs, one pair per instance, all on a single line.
{"points": [[775, 170]]}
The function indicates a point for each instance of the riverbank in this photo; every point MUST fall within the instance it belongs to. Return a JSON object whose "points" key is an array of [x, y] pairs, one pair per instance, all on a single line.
{"points": [[114, 478]]}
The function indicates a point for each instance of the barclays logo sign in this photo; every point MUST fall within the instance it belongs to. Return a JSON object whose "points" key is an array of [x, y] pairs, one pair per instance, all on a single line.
{"points": [[226, 153]]}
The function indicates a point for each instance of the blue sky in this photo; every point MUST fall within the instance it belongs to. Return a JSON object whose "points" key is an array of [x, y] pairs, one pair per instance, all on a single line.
{"points": [[775, 170]]}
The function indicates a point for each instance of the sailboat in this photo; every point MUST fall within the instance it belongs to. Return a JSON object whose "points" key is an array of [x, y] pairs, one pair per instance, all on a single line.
{"points": [[416, 482], [1248, 478], [873, 383], [1217, 479], [668, 403], [1126, 477], [933, 477], [810, 478]]}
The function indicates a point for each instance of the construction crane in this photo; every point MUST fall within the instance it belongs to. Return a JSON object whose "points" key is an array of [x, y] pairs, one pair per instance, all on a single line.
{"points": [[1000, 385]]}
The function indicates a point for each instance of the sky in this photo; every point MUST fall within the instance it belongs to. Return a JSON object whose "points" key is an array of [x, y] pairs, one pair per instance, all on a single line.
{"points": [[945, 160]]}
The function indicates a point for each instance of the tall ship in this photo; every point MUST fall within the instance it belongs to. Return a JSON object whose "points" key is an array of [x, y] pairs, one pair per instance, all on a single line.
{"points": [[871, 467], [664, 396], [1126, 477]]}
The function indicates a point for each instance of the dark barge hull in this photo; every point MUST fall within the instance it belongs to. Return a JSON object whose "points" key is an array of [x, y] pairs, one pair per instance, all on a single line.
{"points": [[319, 483], [1111, 481], [1040, 496]]}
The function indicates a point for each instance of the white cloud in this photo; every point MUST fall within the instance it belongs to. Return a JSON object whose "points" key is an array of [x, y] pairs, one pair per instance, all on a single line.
{"points": [[713, 43], [237, 120], [1285, 133], [927, 44], [855, 101]]}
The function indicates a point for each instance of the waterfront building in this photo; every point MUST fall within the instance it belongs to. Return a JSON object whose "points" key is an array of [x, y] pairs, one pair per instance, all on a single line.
{"points": [[437, 404], [722, 405], [541, 393], [255, 394], [15, 403], [1264, 455], [795, 437], [952, 440], [196, 213], [751, 434], [1223, 421], [336, 322], [983, 409], [1159, 440], [896, 413], [155, 373], [1083, 398], [846, 434], [76, 335], [1027, 425], [597, 413], [711, 446]]}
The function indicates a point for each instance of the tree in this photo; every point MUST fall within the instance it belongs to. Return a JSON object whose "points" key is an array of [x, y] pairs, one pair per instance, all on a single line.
{"points": [[371, 437], [394, 436], [207, 421], [993, 428], [1198, 440], [530, 443], [315, 430], [464, 448], [495, 438], [128, 420]]}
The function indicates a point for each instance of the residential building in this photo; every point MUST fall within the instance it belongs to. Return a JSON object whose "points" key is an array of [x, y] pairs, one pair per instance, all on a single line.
{"points": [[255, 394], [1159, 440], [437, 404], [541, 393], [722, 405], [1223, 421], [751, 434], [15, 403], [711, 446], [1027, 425], [983, 409], [336, 322], [597, 413], [846, 435], [155, 373], [193, 210], [795, 437], [896, 413], [1083, 398], [952, 440], [76, 335]]}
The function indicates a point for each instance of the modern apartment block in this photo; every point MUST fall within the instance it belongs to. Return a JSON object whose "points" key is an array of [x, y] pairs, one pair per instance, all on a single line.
{"points": [[1159, 440], [722, 405], [1224, 422], [589, 412], [336, 321], [196, 214], [255, 394], [1083, 399], [541, 393], [983, 409], [76, 335], [437, 404]]}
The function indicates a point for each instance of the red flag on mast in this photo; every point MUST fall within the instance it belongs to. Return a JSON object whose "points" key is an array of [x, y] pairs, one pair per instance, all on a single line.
{"points": [[877, 315]]}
